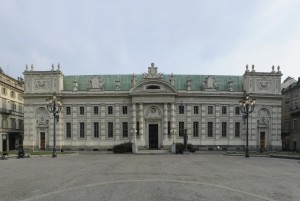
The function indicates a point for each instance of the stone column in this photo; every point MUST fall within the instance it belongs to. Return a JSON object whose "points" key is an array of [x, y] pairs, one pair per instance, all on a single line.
{"points": [[165, 123], [141, 120], [173, 121], [133, 127]]}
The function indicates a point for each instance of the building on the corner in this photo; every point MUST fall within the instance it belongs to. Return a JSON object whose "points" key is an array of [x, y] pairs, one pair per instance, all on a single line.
{"points": [[291, 114], [154, 109], [11, 112]]}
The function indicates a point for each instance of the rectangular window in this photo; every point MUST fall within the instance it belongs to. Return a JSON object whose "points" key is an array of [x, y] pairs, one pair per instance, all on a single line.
{"points": [[181, 128], [82, 130], [124, 109], [12, 94], [68, 110], [21, 124], [295, 124], [224, 129], [237, 110], [196, 129], [181, 109], [81, 110], [96, 129], [237, 129], [169, 128], [209, 129], [13, 123], [196, 110], [96, 110], [68, 130], [137, 128], [110, 109], [210, 109], [110, 130], [4, 90], [125, 129], [224, 110]]}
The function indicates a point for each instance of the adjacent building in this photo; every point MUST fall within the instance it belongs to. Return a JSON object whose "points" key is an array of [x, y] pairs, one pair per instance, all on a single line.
{"points": [[11, 112], [291, 114], [152, 109]]}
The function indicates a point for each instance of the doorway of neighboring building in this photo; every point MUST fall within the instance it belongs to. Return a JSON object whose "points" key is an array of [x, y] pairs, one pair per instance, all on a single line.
{"points": [[4, 143], [42, 141], [153, 136], [262, 146]]}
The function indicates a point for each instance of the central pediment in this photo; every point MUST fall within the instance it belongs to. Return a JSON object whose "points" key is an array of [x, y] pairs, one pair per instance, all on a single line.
{"points": [[153, 87]]}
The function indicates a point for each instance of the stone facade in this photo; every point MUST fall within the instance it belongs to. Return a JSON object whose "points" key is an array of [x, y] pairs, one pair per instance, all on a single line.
{"points": [[11, 112], [291, 114], [152, 109]]}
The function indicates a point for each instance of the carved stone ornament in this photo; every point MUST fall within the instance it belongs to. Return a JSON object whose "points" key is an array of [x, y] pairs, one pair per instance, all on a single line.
{"points": [[75, 86], [133, 80], [189, 84], [210, 84], [152, 73], [230, 85], [117, 82], [263, 84], [264, 116], [153, 112], [41, 84], [172, 80], [42, 116], [96, 83]]}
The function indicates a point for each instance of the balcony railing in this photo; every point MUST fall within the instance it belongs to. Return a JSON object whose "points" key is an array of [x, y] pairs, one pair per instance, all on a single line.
{"points": [[5, 111]]}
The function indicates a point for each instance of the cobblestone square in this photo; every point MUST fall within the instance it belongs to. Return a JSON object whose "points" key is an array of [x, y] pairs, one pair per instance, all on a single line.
{"points": [[149, 177]]}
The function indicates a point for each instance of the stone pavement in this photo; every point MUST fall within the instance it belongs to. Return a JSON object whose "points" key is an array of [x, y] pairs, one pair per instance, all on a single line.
{"points": [[130, 177]]}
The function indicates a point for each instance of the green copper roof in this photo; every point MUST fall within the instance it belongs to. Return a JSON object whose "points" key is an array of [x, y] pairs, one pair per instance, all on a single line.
{"points": [[180, 81]]}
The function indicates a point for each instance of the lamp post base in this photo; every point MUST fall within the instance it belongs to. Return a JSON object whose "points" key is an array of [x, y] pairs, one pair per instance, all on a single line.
{"points": [[54, 154], [246, 155]]}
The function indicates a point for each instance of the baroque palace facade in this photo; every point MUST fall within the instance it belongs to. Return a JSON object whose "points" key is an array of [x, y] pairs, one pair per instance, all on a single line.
{"points": [[153, 109]]}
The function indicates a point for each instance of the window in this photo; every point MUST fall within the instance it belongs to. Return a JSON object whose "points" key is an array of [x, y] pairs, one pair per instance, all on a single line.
{"points": [[295, 124], [110, 109], [169, 128], [68, 130], [181, 109], [96, 110], [209, 129], [210, 109], [81, 110], [196, 110], [21, 124], [13, 123], [110, 130], [195, 129], [124, 109], [125, 129], [224, 129], [237, 110], [4, 91], [68, 110], [137, 128], [12, 94], [237, 129], [224, 110], [96, 129], [81, 129], [181, 128]]}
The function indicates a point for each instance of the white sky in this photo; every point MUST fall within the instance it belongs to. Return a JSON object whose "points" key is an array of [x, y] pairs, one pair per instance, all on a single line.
{"points": [[217, 37]]}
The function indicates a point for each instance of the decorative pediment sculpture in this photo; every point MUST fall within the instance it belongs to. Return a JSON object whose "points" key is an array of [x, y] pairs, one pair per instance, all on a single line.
{"points": [[152, 73], [172, 80], [75, 86], [210, 84], [96, 83], [263, 117]]}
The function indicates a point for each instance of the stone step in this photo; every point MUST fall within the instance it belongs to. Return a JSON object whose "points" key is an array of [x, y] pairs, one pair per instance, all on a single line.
{"points": [[153, 152]]}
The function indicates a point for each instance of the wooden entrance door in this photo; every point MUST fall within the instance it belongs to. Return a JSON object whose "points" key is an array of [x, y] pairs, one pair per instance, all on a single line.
{"points": [[42, 145], [262, 141], [153, 136]]}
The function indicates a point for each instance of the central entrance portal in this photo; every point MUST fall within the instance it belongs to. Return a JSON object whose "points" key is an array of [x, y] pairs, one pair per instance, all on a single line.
{"points": [[153, 136]]}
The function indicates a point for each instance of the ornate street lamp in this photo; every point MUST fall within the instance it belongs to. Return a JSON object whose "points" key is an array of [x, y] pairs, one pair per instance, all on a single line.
{"points": [[246, 107], [54, 107]]}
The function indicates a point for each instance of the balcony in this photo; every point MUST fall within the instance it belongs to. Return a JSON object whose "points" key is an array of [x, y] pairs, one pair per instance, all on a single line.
{"points": [[294, 111], [5, 111]]}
